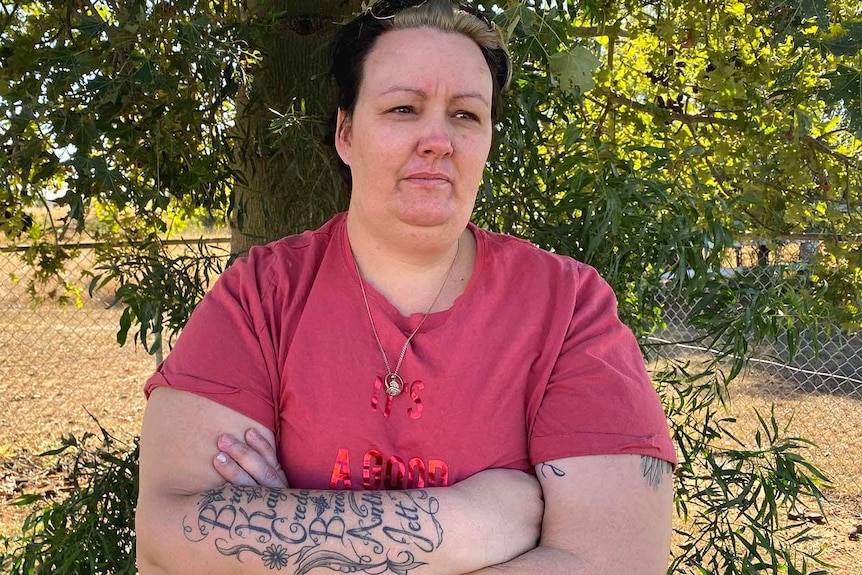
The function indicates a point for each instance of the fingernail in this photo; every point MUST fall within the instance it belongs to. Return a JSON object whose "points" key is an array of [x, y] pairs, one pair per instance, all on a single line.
{"points": [[222, 458]]}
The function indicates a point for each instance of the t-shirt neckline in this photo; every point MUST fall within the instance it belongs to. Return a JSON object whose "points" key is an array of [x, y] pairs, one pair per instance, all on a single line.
{"points": [[378, 301]]}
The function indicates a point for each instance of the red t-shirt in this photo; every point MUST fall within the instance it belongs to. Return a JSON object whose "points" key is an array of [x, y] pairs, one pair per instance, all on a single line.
{"points": [[530, 364]]}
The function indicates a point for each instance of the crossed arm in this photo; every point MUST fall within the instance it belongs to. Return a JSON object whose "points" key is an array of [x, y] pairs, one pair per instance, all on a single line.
{"points": [[601, 515]]}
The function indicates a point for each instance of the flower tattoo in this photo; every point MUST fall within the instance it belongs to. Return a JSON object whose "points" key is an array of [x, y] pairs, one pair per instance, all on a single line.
{"points": [[275, 557]]}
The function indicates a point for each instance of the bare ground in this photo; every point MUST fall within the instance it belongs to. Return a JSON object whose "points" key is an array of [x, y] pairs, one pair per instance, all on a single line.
{"points": [[60, 367], [834, 423]]}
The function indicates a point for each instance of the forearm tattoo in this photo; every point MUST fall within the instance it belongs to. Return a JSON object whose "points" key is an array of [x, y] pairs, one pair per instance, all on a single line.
{"points": [[654, 470], [345, 531]]}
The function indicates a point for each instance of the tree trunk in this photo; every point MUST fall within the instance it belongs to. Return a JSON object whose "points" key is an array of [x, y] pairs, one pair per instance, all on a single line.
{"points": [[287, 178]]}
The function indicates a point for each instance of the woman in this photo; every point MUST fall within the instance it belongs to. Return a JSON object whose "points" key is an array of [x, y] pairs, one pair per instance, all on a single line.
{"points": [[400, 390]]}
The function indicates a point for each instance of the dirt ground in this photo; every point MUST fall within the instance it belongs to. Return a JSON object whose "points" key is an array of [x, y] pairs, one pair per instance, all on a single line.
{"points": [[834, 423], [60, 366]]}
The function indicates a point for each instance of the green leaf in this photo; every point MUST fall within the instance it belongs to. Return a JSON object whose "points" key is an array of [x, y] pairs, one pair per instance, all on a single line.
{"points": [[107, 177], [520, 15], [848, 44], [816, 9], [91, 26], [574, 69], [47, 168], [693, 151], [27, 499], [125, 324], [845, 86], [845, 83], [145, 74], [787, 77], [100, 83]]}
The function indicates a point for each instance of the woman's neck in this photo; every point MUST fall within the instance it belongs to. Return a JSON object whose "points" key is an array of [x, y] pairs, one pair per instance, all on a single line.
{"points": [[411, 271]]}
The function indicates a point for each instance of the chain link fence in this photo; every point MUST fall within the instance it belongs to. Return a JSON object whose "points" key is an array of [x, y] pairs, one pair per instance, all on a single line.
{"points": [[61, 368], [816, 388], [59, 363], [827, 360]]}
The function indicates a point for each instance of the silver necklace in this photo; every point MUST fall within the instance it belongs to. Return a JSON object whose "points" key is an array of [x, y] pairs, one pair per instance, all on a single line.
{"points": [[393, 382]]}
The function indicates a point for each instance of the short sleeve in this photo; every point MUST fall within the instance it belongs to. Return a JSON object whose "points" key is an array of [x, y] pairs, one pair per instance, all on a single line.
{"points": [[599, 399], [225, 352]]}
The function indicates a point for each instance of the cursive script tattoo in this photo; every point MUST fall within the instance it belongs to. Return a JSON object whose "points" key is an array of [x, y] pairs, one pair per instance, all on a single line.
{"points": [[370, 532], [548, 468], [654, 470]]}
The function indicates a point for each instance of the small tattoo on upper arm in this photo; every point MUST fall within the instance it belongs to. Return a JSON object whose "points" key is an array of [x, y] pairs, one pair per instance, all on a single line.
{"points": [[547, 467], [654, 470]]}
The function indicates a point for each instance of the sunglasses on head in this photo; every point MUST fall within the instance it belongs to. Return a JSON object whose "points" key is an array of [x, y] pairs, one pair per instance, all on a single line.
{"points": [[384, 9]]}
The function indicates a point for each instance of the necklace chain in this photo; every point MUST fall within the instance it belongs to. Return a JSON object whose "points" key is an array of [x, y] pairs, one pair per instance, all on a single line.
{"points": [[394, 382]]}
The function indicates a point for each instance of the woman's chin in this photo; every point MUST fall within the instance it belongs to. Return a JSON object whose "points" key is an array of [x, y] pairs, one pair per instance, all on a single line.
{"points": [[430, 214], [426, 218]]}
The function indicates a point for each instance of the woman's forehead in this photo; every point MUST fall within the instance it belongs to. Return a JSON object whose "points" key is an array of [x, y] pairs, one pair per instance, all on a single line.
{"points": [[419, 59]]}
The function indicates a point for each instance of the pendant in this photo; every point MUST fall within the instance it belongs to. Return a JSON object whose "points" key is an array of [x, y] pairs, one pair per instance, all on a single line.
{"points": [[394, 384]]}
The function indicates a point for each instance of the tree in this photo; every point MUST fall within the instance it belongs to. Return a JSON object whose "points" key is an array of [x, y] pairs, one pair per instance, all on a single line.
{"points": [[642, 137]]}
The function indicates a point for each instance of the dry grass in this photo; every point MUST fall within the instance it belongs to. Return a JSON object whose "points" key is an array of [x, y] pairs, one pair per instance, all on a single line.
{"points": [[56, 365], [834, 423]]}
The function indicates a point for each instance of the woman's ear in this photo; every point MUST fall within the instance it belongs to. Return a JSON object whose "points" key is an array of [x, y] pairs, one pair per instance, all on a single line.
{"points": [[342, 135]]}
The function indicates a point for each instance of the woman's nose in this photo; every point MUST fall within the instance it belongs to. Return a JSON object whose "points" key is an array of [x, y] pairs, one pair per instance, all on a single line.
{"points": [[436, 139]]}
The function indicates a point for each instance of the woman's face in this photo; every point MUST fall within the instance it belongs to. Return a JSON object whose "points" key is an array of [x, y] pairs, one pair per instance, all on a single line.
{"points": [[420, 133]]}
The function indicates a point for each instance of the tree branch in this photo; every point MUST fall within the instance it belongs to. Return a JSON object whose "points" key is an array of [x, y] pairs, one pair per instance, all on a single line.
{"points": [[689, 119], [8, 15], [721, 179], [598, 31], [821, 146], [678, 116]]}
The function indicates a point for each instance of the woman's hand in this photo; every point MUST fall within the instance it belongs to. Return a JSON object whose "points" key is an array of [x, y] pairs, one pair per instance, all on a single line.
{"points": [[187, 518], [510, 500], [249, 462]]}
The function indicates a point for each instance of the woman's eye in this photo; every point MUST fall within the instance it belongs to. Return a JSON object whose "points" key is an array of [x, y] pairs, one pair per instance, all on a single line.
{"points": [[464, 115]]}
